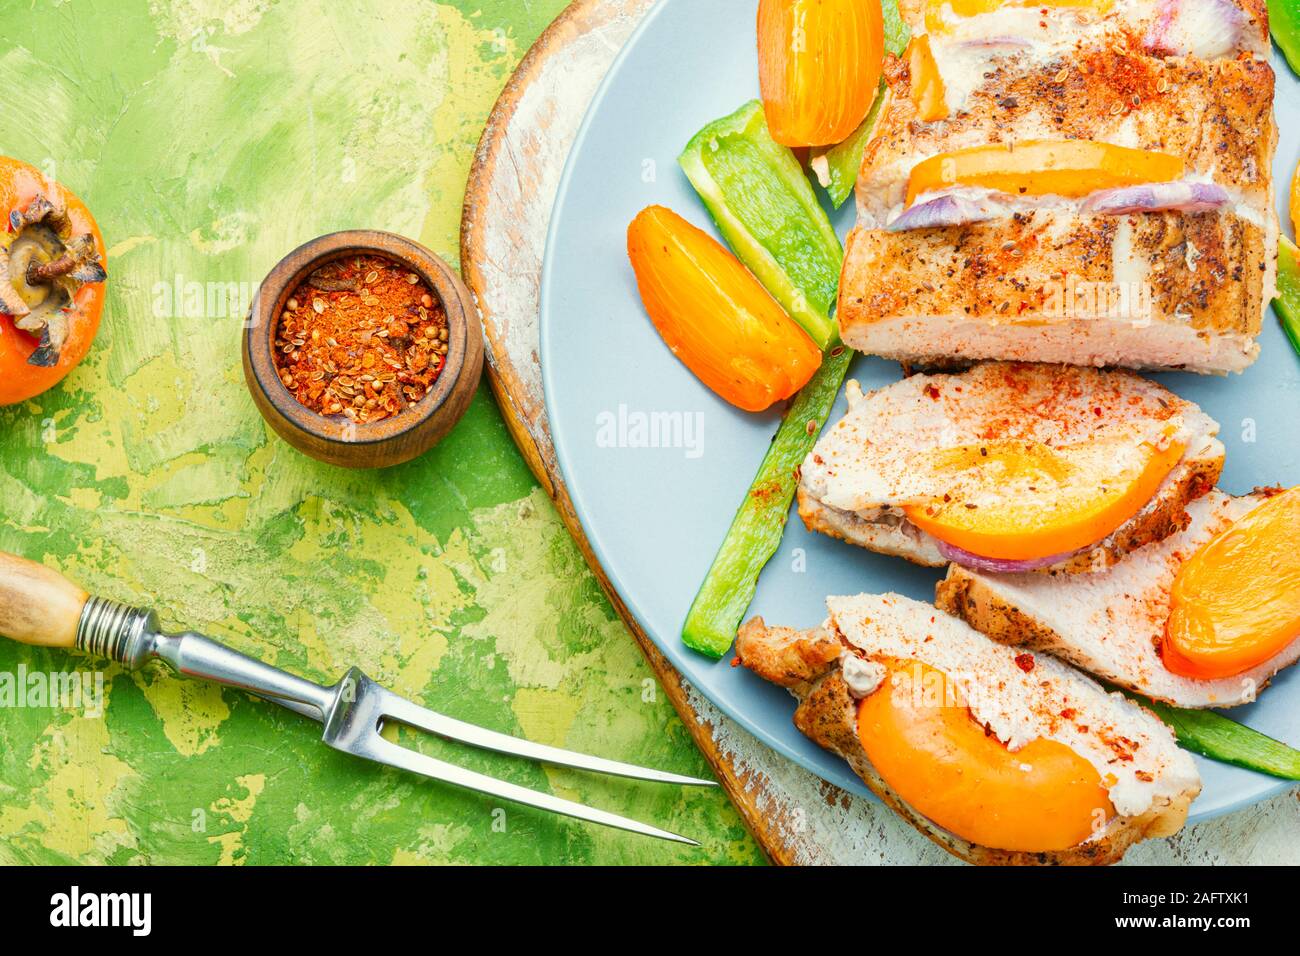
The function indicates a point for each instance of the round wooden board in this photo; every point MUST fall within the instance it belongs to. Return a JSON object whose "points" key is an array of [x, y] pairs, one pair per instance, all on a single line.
{"points": [[796, 817]]}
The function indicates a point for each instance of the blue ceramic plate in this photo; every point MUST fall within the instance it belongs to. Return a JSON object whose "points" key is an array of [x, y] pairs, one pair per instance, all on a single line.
{"points": [[657, 464]]}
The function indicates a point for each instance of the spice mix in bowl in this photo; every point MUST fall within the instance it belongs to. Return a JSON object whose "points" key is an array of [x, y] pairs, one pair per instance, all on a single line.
{"points": [[362, 349], [361, 337]]}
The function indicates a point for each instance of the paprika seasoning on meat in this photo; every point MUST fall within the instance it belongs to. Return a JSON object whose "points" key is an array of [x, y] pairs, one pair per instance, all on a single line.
{"points": [[362, 338]]}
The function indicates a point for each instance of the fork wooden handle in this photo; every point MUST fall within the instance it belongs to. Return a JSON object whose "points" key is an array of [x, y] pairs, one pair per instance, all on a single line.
{"points": [[38, 605]]}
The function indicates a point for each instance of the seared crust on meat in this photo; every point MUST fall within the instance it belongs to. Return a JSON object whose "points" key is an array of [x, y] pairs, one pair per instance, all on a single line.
{"points": [[913, 13], [969, 597], [784, 655], [827, 715], [1047, 286], [964, 595]]}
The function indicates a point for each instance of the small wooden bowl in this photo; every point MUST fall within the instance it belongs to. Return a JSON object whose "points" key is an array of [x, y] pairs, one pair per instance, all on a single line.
{"points": [[336, 440]]}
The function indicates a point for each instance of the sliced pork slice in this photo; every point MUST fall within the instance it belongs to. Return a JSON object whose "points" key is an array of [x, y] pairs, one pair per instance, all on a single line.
{"points": [[1216, 115], [1111, 624], [1018, 696], [1147, 290], [867, 468]]}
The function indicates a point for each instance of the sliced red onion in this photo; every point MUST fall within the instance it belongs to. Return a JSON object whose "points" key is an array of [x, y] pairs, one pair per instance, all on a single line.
{"points": [[1156, 197], [978, 562], [949, 209], [1204, 28]]}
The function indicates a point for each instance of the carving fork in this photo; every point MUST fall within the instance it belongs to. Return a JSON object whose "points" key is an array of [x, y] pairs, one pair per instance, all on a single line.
{"points": [[39, 606]]}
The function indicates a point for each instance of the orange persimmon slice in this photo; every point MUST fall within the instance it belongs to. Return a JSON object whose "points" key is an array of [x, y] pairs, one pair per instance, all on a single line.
{"points": [[928, 93], [1072, 167], [1236, 602], [920, 736], [714, 315], [1020, 501], [819, 65]]}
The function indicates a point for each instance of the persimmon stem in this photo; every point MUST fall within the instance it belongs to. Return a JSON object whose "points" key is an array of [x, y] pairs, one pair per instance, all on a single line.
{"points": [[49, 271]]}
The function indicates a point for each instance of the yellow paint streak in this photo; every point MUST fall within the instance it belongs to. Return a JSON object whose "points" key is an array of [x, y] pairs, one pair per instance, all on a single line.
{"points": [[97, 444], [545, 715], [469, 86], [126, 245], [515, 584], [76, 812], [240, 811], [88, 499], [408, 607], [153, 390], [436, 847], [191, 711]]}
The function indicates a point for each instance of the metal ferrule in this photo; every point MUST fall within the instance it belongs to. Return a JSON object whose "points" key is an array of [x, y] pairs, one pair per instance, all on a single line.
{"points": [[116, 631], [132, 636]]}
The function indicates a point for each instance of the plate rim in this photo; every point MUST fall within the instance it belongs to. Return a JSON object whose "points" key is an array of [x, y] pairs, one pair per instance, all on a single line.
{"points": [[672, 648]]}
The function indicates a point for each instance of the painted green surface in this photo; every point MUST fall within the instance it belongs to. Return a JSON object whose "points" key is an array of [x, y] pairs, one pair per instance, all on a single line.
{"points": [[210, 138]]}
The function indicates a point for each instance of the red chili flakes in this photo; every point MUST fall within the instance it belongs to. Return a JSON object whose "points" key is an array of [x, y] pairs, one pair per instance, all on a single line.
{"points": [[1122, 747], [362, 338], [1025, 662]]}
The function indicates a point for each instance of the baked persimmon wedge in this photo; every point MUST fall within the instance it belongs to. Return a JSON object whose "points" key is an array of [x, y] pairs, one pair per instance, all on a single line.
{"points": [[819, 66], [928, 92], [1071, 168], [920, 736], [714, 315], [1235, 603], [1064, 500]]}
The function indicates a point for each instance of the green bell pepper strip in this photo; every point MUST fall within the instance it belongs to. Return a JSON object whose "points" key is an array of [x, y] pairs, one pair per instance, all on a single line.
{"points": [[837, 167], [756, 530], [761, 200], [765, 206], [1212, 735], [1284, 22], [1287, 303], [897, 33]]}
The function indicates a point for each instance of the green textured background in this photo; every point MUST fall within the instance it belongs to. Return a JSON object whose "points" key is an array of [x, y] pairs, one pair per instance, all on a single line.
{"points": [[210, 138]]}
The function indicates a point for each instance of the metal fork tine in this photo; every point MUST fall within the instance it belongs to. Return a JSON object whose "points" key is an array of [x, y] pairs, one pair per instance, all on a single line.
{"points": [[380, 750], [403, 711]]}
